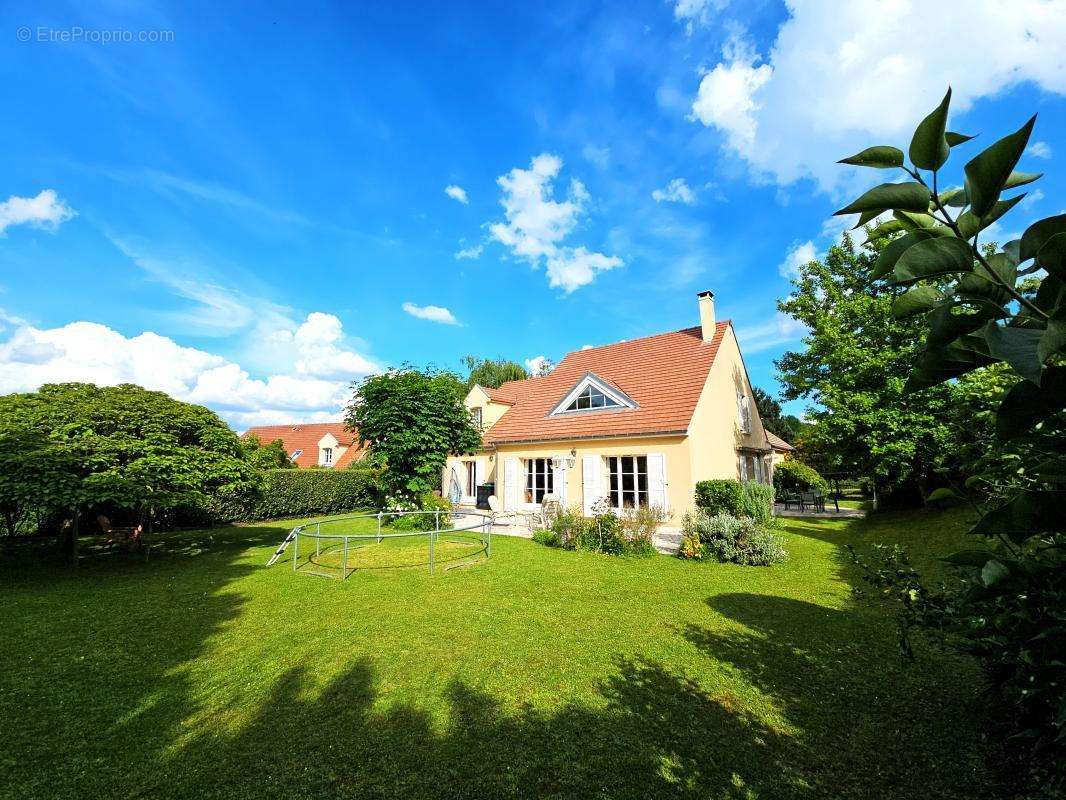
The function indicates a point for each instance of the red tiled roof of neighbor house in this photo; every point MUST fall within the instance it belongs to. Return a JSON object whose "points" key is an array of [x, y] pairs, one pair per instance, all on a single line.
{"points": [[306, 438], [777, 442], [663, 374]]}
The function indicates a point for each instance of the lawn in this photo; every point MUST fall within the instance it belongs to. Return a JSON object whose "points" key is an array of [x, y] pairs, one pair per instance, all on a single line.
{"points": [[535, 673]]}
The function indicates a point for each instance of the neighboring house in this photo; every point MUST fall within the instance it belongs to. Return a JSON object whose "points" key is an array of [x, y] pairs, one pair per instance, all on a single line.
{"points": [[781, 449], [637, 422], [322, 444]]}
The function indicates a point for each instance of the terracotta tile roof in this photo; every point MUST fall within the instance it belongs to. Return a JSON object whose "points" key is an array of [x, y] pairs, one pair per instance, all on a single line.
{"points": [[305, 438], [350, 456], [777, 442], [664, 374]]}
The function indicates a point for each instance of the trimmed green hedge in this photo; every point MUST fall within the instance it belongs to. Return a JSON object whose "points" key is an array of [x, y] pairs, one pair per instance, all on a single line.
{"points": [[720, 496], [291, 493]]}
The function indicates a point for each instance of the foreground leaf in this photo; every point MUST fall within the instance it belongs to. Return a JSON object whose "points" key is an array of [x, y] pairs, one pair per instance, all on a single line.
{"points": [[987, 173], [1052, 255], [939, 364], [909, 196], [929, 147], [879, 157], [955, 139], [918, 300], [982, 285], [1019, 347], [1037, 234], [970, 224], [1027, 515], [1027, 404], [951, 320], [941, 255], [886, 228], [888, 257]]}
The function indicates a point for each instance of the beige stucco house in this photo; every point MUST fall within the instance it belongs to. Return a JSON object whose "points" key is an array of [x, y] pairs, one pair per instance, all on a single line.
{"points": [[320, 444], [639, 422]]}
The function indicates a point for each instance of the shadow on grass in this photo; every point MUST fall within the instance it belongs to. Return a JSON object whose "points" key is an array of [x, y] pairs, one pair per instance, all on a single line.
{"points": [[657, 735]]}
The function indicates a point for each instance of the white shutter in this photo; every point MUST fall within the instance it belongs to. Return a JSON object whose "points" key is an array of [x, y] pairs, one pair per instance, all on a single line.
{"points": [[657, 480], [479, 474], [510, 484], [559, 485], [591, 491], [743, 468]]}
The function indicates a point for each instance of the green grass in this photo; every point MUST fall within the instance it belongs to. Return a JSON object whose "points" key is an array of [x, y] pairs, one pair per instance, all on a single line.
{"points": [[534, 673]]}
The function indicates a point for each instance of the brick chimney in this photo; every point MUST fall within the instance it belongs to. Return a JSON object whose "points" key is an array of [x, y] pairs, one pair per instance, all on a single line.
{"points": [[707, 314]]}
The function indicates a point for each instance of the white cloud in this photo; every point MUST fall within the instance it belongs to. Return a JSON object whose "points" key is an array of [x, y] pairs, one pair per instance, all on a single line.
{"points": [[696, 12], [472, 252], [570, 268], [457, 193], [538, 364], [676, 191], [843, 76], [46, 211], [799, 255], [1039, 150], [781, 330], [316, 388], [537, 224], [431, 313]]}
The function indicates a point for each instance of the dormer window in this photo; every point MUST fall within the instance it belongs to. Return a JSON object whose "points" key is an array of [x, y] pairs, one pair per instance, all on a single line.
{"points": [[477, 417], [592, 394], [327, 456], [591, 397]]}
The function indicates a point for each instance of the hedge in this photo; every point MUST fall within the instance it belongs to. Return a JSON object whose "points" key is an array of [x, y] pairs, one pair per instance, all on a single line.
{"points": [[291, 493], [720, 496]]}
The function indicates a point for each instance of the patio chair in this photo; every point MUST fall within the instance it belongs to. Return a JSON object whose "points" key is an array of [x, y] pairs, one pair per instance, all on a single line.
{"points": [[131, 537], [496, 513], [815, 501]]}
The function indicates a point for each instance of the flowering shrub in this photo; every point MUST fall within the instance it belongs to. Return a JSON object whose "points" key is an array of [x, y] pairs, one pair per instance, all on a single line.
{"points": [[735, 540]]}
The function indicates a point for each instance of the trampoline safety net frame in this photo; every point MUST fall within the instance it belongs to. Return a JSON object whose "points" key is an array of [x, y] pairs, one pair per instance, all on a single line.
{"points": [[316, 535]]}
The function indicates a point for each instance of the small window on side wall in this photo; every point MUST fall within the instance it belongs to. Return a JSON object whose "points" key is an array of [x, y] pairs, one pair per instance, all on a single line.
{"points": [[743, 413], [477, 417]]}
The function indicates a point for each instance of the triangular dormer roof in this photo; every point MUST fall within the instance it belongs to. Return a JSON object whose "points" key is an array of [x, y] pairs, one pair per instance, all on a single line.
{"points": [[591, 383]]}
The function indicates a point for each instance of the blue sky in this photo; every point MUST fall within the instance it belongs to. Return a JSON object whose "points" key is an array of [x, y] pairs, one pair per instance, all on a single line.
{"points": [[249, 207]]}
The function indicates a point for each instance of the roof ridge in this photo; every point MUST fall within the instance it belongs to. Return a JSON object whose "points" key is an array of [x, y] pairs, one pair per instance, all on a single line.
{"points": [[717, 326]]}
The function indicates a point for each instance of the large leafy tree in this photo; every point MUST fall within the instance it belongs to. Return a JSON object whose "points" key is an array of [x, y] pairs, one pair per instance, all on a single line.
{"points": [[73, 446], [267, 456], [982, 308], [492, 373], [413, 419], [854, 369], [787, 426]]}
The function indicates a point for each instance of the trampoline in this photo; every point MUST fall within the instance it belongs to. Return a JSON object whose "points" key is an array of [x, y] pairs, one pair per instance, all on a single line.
{"points": [[339, 546]]}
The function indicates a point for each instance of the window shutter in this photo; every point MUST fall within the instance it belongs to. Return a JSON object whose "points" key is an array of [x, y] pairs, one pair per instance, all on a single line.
{"points": [[657, 480], [479, 474], [591, 490], [559, 485], [743, 468], [510, 484]]}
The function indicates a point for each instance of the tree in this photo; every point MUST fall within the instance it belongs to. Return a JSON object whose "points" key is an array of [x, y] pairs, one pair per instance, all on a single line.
{"points": [[267, 456], [983, 311], [76, 445], [854, 368], [787, 426], [492, 373], [413, 419]]}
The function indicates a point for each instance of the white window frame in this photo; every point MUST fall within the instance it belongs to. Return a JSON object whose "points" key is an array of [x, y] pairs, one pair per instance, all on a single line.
{"points": [[744, 412], [548, 474], [616, 494], [469, 476], [327, 456], [295, 455], [623, 400], [477, 417]]}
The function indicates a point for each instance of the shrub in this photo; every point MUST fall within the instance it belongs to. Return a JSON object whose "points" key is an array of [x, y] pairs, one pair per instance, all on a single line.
{"points": [[759, 502], [792, 477], [639, 525], [567, 526], [428, 502], [603, 534], [691, 547], [735, 540], [720, 496], [549, 538]]}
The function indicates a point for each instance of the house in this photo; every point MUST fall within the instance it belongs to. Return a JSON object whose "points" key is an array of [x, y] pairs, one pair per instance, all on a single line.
{"points": [[637, 422], [780, 449], [321, 444]]}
